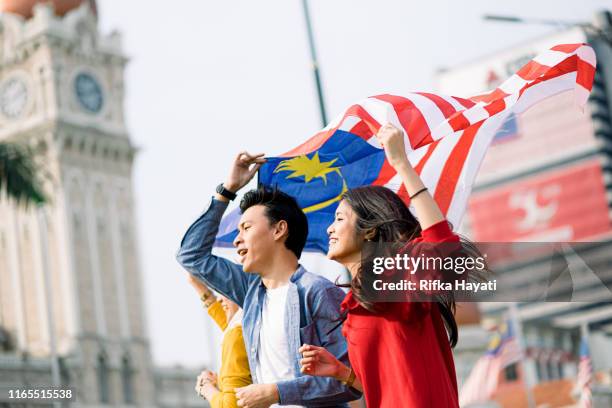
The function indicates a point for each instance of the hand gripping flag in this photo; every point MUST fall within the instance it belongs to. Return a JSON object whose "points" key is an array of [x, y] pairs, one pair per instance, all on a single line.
{"points": [[446, 140]]}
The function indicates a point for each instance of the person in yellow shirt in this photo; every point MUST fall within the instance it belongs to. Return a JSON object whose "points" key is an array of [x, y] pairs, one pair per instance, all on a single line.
{"points": [[235, 372]]}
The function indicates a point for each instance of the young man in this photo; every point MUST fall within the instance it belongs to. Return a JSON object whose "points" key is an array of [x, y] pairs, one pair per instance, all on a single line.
{"points": [[284, 305]]}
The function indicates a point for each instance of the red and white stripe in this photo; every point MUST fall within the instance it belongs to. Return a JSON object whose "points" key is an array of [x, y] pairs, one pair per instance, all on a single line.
{"points": [[483, 380], [585, 377], [510, 353], [481, 383], [447, 137]]}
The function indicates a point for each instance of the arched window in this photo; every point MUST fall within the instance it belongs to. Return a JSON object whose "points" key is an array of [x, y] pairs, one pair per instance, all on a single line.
{"points": [[103, 383], [127, 374]]}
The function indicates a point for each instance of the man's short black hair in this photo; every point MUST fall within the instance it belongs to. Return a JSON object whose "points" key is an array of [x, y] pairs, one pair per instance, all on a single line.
{"points": [[280, 206]]}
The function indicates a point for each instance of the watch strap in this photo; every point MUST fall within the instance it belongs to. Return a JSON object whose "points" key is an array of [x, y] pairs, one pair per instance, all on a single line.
{"points": [[221, 190]]}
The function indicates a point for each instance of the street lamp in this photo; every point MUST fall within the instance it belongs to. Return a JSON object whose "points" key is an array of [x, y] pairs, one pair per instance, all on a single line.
{"points": [[599, 28], [315, 64]]}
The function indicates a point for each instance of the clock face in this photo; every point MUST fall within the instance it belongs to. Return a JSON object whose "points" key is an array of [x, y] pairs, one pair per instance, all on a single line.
{"points": [[13, 97], [88, 92]]}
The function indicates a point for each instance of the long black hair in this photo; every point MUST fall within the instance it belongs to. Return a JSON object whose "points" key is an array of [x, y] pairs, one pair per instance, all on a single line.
{"points": [[384, 214]]}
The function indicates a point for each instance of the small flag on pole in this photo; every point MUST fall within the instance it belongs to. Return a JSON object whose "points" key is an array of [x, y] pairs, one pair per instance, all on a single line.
{"points": [[482, 382], [585, 376]]}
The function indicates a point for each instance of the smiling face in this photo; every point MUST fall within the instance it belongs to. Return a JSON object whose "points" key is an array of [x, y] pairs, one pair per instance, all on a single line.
{"points": [[257, 239], [344, 242]]}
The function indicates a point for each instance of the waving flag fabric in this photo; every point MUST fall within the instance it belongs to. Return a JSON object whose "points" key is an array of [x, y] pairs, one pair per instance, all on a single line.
{"points": [[585, 376], [446, 140], [503, 351]]}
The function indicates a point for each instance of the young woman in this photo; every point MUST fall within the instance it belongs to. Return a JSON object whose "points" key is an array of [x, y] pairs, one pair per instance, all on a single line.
{"points": [[234, 373], [400, 353]]}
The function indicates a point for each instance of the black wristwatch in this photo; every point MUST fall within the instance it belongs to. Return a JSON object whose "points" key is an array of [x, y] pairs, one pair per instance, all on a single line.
{"points": [[225, 192]]}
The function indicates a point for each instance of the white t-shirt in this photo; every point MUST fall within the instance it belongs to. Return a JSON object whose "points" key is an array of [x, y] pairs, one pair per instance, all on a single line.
{"points": [[273, 361]]}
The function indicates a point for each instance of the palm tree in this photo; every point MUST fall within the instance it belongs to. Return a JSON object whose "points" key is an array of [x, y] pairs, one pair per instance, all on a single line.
{"points": [[18, 174]]}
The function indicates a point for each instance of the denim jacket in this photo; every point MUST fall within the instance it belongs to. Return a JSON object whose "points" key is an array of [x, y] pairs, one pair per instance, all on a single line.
{"points": [[313, 306]]}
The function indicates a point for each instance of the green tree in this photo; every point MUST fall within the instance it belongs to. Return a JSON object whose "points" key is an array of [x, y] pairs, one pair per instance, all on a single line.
{"points": [[19, 174]]}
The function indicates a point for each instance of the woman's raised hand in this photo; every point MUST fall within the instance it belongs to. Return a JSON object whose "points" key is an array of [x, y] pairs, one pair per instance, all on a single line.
{"points": [[427, 211], [198, 285], [205, 378], [319, 362], [392, 140]]}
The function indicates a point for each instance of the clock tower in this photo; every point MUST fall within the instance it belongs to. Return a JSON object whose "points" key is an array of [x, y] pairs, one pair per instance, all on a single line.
{"points": [[70, 283]]}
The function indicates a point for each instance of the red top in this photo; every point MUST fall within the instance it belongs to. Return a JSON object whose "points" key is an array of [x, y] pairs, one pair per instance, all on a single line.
{"points": [[402, 356]]}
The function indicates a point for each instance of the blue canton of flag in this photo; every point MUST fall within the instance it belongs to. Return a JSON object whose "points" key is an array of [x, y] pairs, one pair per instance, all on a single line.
{"points": [[317, 180], [508, 130]]}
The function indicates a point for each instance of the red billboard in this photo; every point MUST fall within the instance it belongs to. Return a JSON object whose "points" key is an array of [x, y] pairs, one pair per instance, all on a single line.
{"points": [[565, 204]]}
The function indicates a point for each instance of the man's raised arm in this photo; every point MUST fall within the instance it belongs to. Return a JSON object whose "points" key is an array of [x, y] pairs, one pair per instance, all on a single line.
{"points": [[195, 253]]}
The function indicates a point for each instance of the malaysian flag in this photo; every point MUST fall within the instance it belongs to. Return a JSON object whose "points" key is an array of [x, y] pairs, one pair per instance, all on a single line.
{"points": [[482, 382], [585, 376], [447, 138]]}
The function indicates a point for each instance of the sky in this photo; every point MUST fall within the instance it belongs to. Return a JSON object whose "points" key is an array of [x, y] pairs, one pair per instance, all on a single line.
{"points": [[207, 79]]}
